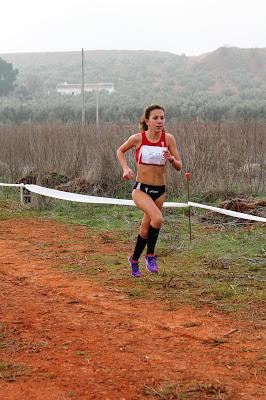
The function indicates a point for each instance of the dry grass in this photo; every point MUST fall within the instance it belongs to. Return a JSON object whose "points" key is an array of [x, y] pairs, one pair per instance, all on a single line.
{"points": [[225, 159]]}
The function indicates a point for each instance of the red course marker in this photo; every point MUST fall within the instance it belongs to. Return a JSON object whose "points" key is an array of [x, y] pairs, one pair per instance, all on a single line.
{"points": [[187, 176]]}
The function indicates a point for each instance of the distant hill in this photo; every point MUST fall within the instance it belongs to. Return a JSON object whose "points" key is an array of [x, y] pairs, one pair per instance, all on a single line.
{"points": [[228, 76], [225, 68]]}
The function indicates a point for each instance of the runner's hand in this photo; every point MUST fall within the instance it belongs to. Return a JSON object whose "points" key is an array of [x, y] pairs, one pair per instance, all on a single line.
{"points": [[168, 156], [127, 175]]}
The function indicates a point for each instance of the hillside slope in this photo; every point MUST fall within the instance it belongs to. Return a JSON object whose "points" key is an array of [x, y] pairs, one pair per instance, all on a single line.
{"points": [[225, 68], [226, 84]]}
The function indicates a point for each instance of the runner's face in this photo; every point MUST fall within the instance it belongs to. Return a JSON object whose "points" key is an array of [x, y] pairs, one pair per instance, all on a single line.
{"points": [[156, 120]]}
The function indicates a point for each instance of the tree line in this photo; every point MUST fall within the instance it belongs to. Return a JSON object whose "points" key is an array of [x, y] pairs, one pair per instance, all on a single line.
{"points": [[62, 111]]}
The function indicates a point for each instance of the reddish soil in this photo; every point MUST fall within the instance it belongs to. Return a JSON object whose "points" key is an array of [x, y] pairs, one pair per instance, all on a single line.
{"points": [[66, 336]]}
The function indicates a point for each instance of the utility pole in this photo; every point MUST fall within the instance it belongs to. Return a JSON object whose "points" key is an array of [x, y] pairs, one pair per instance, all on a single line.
{"points": [[97, 105], [82, 88]]}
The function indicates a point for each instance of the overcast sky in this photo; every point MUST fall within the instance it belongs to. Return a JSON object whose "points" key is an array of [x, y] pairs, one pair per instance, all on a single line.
{"points": [[190, 27]]}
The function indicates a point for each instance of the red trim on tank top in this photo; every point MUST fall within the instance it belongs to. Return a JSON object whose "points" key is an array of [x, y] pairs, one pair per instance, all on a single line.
{"points": [[146, 141]]}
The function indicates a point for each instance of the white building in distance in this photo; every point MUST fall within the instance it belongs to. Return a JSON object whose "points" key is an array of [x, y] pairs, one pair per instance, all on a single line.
{"points": [[75, 89]]}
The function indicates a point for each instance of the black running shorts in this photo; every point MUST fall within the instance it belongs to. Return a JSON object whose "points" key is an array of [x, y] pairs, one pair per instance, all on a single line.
{"points": [[153, 191]]}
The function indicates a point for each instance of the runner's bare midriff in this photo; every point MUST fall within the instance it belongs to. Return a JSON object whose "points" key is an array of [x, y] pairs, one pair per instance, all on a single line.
{"points": [[151, 174]]}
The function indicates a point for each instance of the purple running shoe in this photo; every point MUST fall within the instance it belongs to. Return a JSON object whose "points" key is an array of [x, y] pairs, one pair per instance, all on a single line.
{"points": [[151, 264], [134, 267]]}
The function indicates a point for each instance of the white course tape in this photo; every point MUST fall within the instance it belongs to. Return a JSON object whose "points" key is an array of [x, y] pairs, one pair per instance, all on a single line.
{"points": [[12, 184], [228, 212], [82, 198]]}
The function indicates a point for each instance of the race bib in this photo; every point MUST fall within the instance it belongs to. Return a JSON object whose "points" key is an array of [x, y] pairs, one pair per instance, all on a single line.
{"points": [[153, 155]]}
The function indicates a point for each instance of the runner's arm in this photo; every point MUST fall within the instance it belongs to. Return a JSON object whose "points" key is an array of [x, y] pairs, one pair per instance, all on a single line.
{"points": [[131, 142], [172, 154]]}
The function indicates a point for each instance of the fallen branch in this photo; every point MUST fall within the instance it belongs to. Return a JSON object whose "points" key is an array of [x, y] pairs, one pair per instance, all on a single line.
{"points": [[230, 332]]}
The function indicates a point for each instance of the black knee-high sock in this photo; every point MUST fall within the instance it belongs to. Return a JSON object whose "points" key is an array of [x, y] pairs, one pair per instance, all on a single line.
{"points": [[140, 245], [152, 239]]}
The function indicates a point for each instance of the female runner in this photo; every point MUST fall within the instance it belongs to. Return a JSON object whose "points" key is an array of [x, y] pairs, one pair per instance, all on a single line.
{"points": [[155, 148]]}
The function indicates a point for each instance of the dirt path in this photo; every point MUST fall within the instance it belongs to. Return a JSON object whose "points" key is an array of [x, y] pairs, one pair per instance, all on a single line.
{"points": [[66, 337]]}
